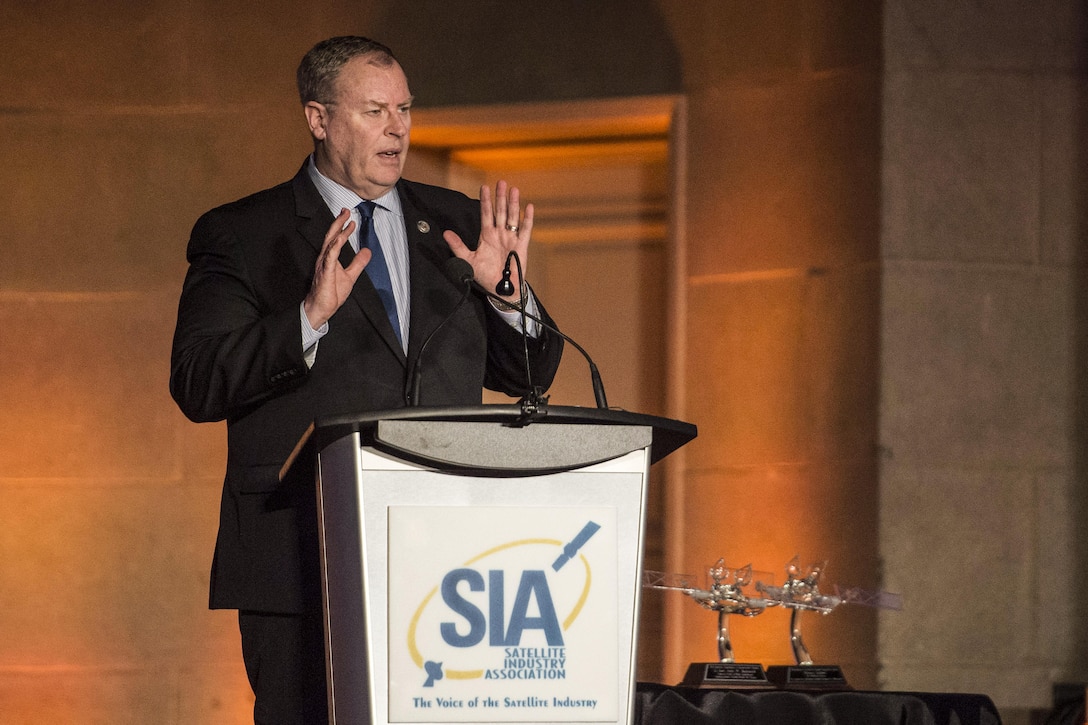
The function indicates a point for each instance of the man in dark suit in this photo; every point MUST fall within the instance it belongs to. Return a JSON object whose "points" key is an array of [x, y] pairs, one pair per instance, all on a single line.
{"points": [[306, 300]]}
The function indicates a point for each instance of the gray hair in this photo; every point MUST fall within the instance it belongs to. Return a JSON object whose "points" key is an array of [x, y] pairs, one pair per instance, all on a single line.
{"points": [[320, 67]]}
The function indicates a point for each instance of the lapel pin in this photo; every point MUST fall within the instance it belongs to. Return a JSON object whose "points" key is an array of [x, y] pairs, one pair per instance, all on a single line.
{"points": [[423, 226]]}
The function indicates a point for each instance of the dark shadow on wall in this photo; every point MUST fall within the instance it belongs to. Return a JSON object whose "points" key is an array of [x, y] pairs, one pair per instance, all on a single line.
{"points": [[1079, 486], [467, 52]]}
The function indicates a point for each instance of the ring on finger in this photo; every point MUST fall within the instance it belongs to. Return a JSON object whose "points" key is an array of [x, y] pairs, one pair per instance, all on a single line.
{"points": [[512, 227]]}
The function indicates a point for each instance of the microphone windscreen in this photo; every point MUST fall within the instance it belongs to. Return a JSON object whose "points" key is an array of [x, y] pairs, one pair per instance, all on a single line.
{"points": [[459, 271]]}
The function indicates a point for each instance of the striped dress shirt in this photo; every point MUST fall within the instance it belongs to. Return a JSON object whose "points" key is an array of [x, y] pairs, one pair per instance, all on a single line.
{"points": [[389, 225]]}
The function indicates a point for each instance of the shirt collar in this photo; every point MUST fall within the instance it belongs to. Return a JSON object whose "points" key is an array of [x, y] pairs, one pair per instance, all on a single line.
{"points": [[339, 197]]}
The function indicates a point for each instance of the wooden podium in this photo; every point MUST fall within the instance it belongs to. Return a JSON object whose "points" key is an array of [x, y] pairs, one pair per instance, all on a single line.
{"points": [[483, 564]]}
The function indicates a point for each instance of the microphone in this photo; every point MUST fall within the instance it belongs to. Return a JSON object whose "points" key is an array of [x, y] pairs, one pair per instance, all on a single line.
{"points": [[594, 374], [460, 273], [505, 287]]}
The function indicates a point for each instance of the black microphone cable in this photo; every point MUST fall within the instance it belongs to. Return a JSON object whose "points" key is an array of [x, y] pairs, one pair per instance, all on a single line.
{"points": [[506, 287]]}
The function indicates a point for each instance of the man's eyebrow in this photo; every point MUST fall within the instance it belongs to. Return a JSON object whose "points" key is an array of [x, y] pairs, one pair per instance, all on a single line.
{"points": [[383, 104]]}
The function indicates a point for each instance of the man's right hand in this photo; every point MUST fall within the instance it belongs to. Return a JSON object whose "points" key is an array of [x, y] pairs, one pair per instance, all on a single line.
{"points": [[332, 281]]}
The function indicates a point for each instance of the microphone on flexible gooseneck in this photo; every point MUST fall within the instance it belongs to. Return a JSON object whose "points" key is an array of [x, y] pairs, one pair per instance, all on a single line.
{"points": [[460, 273], [594, 374], [534, 398]]}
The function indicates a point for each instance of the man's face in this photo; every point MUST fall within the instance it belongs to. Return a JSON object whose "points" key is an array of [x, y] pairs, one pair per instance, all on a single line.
{"points": [[362, 133]]}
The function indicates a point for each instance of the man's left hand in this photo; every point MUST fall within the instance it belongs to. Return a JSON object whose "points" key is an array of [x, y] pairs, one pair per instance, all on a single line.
{"points": [[503, 229]]}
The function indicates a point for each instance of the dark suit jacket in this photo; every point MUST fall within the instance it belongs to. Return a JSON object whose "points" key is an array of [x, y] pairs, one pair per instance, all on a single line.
{"points": [[237, 355]]}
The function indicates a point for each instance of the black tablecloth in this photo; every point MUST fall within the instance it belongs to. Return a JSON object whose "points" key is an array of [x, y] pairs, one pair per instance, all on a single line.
{"points": [[664, 705]]}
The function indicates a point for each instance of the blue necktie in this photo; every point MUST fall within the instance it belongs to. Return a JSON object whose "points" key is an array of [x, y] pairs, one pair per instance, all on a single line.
{"points": [[376, 268]]}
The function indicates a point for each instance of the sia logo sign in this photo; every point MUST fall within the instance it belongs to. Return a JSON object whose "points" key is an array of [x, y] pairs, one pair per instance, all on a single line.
{"points": [[502, 614]]}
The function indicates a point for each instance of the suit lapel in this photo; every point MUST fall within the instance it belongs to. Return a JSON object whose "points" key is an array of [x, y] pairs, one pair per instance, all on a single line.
{"points": [[314, 221], [433, 293]]}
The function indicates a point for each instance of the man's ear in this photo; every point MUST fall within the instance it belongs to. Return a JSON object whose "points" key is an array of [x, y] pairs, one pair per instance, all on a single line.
{"points": [[317, 118]]}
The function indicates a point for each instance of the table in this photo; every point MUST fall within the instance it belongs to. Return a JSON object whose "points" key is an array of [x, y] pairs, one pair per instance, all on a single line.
{"points": [[674, 705]]}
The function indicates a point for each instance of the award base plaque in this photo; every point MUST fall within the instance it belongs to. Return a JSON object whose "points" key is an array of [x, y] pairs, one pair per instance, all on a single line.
{"points": [[731, 675], [807, 677]]}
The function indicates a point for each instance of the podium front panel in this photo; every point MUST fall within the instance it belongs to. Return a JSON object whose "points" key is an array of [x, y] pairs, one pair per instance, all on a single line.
{"points": [[466, 596]]}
